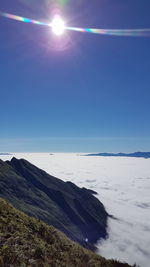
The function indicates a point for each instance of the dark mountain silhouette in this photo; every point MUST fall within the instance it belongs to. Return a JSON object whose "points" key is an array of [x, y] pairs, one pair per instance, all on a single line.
{"points": [[26, 241], [73, 210], [145, 155]]}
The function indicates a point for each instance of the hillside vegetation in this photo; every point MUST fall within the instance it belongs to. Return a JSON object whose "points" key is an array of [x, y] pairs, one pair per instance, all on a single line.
{"points": [[27, 242], [72, 210]]}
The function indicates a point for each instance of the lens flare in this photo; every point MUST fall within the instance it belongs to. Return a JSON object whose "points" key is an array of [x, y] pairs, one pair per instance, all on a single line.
{"points": [[115, 32], [58, 27]]}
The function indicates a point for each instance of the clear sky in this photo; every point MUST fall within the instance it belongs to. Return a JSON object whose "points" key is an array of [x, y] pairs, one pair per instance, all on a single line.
{"points": [[92, 94]]}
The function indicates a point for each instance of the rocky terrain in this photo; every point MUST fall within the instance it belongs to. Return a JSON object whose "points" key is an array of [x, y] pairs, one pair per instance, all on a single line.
{"points": [[28, 242], [73, 210]]}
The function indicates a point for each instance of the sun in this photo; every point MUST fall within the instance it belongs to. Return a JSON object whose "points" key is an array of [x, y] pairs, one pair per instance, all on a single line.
{"points": [[58, 25]]}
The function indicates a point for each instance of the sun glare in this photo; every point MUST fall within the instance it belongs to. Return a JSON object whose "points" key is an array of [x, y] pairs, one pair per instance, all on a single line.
{"points": [[58, 26]]}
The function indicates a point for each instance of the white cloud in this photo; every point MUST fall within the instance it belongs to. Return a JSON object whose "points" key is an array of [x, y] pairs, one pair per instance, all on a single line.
{"points": [[123, 185]]}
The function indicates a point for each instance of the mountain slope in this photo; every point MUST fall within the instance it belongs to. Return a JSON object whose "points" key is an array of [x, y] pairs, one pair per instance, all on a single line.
{"points": [[71, 209], [26, 241]]}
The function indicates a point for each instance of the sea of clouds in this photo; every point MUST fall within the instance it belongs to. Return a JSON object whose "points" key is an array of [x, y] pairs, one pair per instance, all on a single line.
{"points": [[123, 186]]}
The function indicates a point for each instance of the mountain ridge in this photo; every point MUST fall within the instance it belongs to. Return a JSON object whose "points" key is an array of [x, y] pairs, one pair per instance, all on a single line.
{"points": [[27, 241], [138, 154], [73, 210]]}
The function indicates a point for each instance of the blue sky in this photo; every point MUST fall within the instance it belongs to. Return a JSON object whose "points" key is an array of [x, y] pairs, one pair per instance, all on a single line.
{"points": [[91, 96]]}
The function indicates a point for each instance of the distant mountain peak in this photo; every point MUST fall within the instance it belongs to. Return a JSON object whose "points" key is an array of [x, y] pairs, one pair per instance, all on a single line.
{"points": [[138, 154], [4, 154]]}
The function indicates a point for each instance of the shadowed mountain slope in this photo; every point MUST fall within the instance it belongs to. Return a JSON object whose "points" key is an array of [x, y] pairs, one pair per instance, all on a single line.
{"points": [[71, 209], [26, 241]]}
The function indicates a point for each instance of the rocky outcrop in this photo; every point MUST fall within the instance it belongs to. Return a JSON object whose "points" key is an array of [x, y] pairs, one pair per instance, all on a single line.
{"points": [[73, 210], [26, 241]]}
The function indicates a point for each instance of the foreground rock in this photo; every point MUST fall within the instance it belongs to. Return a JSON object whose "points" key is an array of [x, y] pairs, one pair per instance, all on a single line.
{"points": [[73, 210], [26, 241]]}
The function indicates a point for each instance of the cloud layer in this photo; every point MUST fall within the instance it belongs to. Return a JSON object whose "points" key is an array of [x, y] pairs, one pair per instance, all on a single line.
{"points": [[123, 185]]}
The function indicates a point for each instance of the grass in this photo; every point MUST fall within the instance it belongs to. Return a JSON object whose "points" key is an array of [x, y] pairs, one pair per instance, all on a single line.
{"points": [[27, 242]]}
